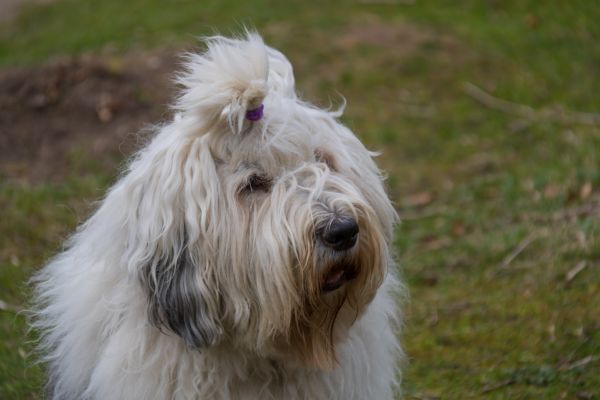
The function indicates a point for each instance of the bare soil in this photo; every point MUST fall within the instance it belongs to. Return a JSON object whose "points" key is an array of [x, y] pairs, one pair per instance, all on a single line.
{"points": [[92, 105], [9, 9]]}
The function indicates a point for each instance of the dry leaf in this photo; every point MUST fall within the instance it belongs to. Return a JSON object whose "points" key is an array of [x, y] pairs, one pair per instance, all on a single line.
{"points": [[436, 243], [429, 279], [581, 239], [418, 199], [532, 21], [585, 191], [104, 114], [551, 191], [552, 332], [458, 229]]}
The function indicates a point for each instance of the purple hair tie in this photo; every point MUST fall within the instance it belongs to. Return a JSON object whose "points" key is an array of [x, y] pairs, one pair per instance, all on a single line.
{"points": [[256, 113]]}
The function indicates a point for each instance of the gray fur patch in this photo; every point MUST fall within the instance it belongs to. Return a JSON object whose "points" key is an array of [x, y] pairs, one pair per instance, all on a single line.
{"points": [[175, 302]]}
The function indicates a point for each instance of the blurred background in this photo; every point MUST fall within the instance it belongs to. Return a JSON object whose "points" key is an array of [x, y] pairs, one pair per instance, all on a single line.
{"points": [[487, 114]]}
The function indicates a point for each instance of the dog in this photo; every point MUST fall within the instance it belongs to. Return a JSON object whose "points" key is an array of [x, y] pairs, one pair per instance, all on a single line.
{"points": [[245, 253]]}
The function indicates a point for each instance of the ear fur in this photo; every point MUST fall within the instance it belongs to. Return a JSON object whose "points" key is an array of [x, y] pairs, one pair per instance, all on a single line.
{"points": [[175, 300], [168, 198]]}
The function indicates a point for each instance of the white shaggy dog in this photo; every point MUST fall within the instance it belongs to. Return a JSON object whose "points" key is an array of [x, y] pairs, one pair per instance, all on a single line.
{"points": [[244, 254]]}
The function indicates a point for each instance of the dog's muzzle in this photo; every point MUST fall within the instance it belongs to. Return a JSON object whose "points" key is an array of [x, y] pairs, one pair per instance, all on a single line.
{"points": [[338, 276], [340, 235]]}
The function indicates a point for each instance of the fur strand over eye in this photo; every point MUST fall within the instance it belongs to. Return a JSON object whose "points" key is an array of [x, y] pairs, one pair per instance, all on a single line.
{"points": [[257, 183]]}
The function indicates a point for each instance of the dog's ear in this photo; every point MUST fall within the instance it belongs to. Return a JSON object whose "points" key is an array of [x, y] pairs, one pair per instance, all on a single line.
{"points": [[165, 233], [179, 300]]}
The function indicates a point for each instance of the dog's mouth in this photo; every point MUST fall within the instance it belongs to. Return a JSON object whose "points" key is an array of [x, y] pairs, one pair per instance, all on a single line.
{"points": [[338, 276]]}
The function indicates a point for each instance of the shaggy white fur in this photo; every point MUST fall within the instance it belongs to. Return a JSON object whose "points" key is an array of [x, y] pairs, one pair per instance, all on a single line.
{"points": [[234, 259]]}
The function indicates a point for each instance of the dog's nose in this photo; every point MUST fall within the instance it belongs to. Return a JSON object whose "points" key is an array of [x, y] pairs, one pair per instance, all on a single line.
{"points": [[341, 234]]}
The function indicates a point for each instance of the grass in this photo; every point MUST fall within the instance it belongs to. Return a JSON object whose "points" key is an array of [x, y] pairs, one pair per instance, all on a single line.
{"points": [[473, 184]]}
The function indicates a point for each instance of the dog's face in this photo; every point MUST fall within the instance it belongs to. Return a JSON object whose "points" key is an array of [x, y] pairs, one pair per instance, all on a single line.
{"points": [[282, 228]]}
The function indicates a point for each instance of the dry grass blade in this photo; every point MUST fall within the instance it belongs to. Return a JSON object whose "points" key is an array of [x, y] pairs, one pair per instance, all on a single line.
{"points": [[499, 385], [581, 363], [518, 250], [556, 115], [575, 271]]}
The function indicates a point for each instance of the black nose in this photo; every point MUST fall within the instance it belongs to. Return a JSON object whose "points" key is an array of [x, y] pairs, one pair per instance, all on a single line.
{"points": [[341, 234]]}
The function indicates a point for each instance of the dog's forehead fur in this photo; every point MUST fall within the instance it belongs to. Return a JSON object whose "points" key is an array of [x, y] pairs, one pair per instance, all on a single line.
{"points": [[279, 147], [276, 145]]}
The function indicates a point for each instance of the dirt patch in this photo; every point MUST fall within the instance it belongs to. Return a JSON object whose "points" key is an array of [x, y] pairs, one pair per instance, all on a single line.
{"points": [[91, 104], [401, 38], [373, 32], [370, 46], [9, 9]]}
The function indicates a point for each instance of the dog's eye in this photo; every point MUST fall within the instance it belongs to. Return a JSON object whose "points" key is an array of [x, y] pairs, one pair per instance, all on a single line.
{"points": [[257, 183], [325, 157]]}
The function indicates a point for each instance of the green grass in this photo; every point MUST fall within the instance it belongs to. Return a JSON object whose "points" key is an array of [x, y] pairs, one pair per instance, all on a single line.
{"points": [[474, 329]]}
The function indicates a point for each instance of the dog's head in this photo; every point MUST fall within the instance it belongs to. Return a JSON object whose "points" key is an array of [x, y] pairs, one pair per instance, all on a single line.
{"points": [[255, 219]]}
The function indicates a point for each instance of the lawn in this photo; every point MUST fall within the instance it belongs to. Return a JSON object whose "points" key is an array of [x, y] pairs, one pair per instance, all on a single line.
{"points": [[486, 115]]}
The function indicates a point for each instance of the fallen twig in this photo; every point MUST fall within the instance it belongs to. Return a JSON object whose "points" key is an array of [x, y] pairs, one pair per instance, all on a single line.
{"points": [[518, 250], [565, 362], [573, 273], [556, 115], [496, 386], [580, 363]]}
